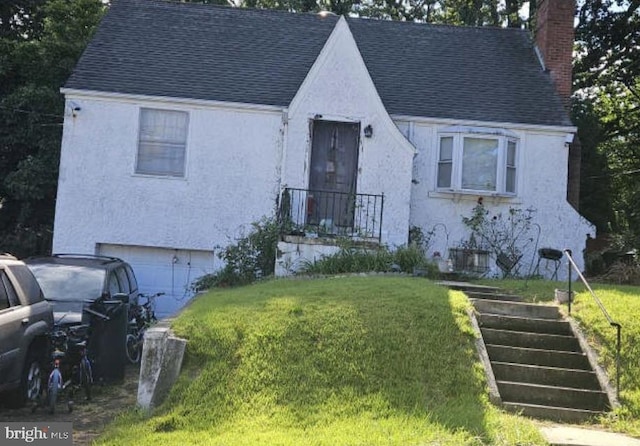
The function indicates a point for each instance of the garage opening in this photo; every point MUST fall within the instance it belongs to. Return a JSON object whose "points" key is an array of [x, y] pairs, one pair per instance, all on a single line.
{"points": [[171, 271]]}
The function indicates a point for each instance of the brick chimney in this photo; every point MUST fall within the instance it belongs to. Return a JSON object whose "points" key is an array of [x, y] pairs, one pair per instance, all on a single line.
{"points": [[554, 38]]}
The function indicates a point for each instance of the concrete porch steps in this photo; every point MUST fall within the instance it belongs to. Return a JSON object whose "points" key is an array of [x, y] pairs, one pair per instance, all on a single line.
{"points": [[538, 364], [532, 325], [519, 309], [554, 396], [565, 414], [535, 340], [554, 376], [533, 356], [493, 296]]}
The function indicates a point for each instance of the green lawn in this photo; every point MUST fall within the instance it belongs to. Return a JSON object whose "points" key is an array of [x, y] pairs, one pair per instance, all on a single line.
{"points": [[336, 361]]}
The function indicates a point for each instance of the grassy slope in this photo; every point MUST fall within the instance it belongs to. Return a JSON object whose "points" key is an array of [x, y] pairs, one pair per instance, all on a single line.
{"points": [[623, 305], [344, 361]]}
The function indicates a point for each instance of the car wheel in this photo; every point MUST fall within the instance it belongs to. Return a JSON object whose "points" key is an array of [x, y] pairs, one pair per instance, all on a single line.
{"points": [[32, 379]]}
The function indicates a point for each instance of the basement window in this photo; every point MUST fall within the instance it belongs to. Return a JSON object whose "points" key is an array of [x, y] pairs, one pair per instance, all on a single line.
{"points": [[162, 142], [477, 160]]}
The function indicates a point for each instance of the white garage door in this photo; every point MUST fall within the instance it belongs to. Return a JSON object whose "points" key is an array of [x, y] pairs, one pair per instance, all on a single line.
{"points": [[171, 271]]}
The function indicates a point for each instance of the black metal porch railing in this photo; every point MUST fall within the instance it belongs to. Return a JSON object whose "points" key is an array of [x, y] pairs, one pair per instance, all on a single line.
{"points": [[614, 324], [331, 214]]}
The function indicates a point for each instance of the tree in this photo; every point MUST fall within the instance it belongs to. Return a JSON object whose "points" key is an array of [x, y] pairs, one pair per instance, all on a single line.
{"points": [[455, 12], [470, 12], [20, 19], [596, 189], [607, 84], [512, 13], [411, 10], [608, 44], [40, 45]]}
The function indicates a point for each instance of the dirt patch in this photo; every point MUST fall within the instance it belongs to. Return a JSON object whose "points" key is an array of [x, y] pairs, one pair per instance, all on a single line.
{"points": [[88, 417]]}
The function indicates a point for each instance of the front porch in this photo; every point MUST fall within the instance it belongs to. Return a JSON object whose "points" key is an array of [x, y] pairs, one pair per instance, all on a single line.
{"points": [[313, 223], [330, 214]]}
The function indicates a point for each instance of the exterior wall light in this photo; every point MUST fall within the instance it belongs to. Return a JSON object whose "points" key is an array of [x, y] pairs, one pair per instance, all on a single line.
{"points": [[74, 108], [368, 131]]}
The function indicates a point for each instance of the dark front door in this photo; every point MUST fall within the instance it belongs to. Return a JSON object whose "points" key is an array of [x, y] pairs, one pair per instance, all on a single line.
{"points": [[334, 167]]}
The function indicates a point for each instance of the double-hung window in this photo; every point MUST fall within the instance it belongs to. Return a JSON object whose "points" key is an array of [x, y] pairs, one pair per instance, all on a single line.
{"points": [[471, 160], [162, 142]]}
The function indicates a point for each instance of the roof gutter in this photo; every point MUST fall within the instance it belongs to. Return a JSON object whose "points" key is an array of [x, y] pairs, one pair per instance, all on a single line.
{"points": [[126, 97], [204, 103], [503, 125]]}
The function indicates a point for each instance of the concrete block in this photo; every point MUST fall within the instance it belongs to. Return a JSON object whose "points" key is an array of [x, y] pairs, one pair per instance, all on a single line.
{"points": [[494, 394], [162, 356]]}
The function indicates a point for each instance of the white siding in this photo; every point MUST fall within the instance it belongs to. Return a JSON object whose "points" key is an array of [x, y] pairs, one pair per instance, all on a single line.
{"points": [[231, 179], [542, 185]]}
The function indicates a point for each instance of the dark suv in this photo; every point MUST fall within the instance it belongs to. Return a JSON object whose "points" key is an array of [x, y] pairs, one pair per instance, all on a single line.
{"points": [[25, 321], [95, 291], [70, 281]]}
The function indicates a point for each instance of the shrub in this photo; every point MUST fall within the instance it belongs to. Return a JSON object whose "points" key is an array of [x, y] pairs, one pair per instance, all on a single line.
{"points": [[410, 257], [622, 273], [249, 259], [507, 236], [420, 238], [356, 259]]}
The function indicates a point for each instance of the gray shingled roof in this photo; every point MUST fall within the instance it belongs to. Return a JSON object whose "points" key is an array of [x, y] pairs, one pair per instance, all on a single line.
{"points": [[152, 47]]}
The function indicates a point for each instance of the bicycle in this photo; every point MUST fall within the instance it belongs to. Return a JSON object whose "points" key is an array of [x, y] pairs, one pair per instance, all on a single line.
{"points": [[70, 359], [142, 317]]}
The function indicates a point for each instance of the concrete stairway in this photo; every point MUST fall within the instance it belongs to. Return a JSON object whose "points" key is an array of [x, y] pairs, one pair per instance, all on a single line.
{"points": [[539, 367]]}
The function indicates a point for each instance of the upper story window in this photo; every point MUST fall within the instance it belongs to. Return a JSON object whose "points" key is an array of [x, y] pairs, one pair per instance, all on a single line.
{"points": [[162, 143], [477, 160]]}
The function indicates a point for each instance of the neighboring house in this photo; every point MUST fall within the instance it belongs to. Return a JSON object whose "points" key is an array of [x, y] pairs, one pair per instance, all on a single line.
{"points": [[185, 123]]}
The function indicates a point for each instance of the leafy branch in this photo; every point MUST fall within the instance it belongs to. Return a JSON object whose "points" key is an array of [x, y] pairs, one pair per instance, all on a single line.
{"points": [[505, 235]]}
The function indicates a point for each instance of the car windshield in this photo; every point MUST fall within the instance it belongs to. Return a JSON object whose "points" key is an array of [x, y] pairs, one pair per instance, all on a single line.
{"points": [[69, 283]]}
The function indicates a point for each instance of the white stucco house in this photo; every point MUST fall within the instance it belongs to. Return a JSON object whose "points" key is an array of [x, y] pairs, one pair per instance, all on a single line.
{"points": [[185, 123]]}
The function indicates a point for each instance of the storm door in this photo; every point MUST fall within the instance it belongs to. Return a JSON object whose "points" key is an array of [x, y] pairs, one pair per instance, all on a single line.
{"points": [[333, 175]]}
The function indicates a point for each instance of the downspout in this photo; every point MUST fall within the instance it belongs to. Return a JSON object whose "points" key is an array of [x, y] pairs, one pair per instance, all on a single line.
{"points": [[282, 161], [411, 131]]}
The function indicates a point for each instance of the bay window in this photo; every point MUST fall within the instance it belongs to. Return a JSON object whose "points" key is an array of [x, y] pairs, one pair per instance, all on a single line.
{"points": [[477, 161]]}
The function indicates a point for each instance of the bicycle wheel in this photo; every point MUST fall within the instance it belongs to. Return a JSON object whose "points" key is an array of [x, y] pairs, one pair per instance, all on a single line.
{"points": [[86, 377], [53, 399], [133, 348]]}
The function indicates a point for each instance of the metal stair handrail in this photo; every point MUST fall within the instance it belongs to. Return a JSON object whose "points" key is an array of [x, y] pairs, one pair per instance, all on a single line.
{"points": [[572, 266]]}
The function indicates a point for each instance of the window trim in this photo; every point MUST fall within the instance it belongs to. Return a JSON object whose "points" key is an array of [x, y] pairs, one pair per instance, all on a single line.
{"points": [[12, 293], [458, 134], [123, 280], [131, 277], [4, 295], [166, 175]]}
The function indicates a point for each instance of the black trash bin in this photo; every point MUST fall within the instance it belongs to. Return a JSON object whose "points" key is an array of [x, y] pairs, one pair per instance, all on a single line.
{"points": [[109, 321]]}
